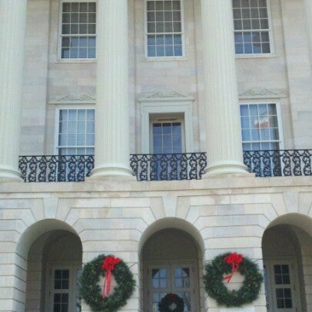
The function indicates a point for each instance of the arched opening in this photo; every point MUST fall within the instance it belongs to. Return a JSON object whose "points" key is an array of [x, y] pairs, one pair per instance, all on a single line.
{"points": [[54, 262], [287, 255], [170, 259]]}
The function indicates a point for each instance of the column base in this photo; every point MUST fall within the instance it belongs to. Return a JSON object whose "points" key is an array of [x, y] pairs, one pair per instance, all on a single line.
{"points": [[9, 175], [114, 170], [225, 168]]}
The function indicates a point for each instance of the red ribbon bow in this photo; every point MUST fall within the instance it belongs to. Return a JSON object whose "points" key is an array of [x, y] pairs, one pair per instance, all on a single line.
{"points": [[234, 260], [108, 265], [171, 296]]}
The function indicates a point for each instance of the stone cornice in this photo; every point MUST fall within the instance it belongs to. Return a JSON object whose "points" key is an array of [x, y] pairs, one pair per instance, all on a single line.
{"points": [[165, 96], [261, 93], [74, 99]]}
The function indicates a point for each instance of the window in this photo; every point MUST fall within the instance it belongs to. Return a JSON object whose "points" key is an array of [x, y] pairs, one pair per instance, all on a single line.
{"points": [[164, 28], [251, 27], [76, 132], [167, 144], [166, 137], [78, 30], [172, 277], [260, 126]]}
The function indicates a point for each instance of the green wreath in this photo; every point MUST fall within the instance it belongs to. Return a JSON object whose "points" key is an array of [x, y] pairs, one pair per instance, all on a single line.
{"points": [[171, 301], [90, 291], [216, 289]]}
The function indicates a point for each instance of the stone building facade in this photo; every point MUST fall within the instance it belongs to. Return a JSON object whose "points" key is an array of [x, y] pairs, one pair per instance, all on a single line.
{"points": [[165, 132]]}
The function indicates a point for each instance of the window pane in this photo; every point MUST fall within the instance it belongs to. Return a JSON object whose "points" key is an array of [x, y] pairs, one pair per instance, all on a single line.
{"points": [[259, 123], [167, 137], [164, 17], [76, 128], [78, 19], [250, 15]]}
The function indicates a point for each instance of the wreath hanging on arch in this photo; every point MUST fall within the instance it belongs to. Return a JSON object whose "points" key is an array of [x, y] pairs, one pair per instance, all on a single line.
{"points": [[106, 301], [171, 303], [228, 264]]}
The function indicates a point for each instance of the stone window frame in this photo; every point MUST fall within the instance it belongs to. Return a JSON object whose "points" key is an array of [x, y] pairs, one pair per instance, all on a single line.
{"points": [[169, 104]]}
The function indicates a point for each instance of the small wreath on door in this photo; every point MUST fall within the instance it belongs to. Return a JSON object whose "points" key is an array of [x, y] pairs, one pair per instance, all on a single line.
{"points": [[171, 303]]}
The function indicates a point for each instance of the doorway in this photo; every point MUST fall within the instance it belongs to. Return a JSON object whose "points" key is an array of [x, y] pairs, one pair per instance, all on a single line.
{"points": [[283, 274], [170, 260], [54, 265]]}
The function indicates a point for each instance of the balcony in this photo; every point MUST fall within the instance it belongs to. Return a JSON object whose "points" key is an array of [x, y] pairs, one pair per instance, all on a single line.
{"points": [[164, 167], [55, 168]]}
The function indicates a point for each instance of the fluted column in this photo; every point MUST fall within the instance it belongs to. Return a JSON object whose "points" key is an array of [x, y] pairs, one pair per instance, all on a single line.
{"points": [[112, 113], [308, 11], [12, 36], [223, 131]]}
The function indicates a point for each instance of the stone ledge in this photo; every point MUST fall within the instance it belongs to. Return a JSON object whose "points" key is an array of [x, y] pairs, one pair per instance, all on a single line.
{"points": [[220, 184]]}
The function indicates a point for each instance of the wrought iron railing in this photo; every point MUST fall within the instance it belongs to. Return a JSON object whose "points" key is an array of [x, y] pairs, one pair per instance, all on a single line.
{"points": [[55, 168], [156, 167], [279, 163]]}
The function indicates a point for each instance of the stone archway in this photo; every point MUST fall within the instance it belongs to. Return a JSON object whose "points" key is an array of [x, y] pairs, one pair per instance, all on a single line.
{"points": [[53, 252], [286, 255], [170, 259]]}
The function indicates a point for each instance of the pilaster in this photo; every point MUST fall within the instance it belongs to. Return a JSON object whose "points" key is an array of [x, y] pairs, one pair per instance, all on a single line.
{"points": [[308, 12], [223, 131], [112, 112], [12, 36]]}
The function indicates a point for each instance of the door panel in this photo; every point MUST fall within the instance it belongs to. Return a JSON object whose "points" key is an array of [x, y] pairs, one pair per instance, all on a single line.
{"points": [[64, 292], [280, 286], [172, 278]]}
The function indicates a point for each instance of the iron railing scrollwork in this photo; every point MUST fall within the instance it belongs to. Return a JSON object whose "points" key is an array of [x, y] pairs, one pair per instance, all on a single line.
{"points": [[168, 167], [56, 168], [279, 163]]}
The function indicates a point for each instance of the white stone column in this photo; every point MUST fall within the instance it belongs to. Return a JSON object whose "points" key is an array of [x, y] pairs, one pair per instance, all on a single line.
{"points": [[223, 130], [308, 12], [12, 36], [112, 151]]}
